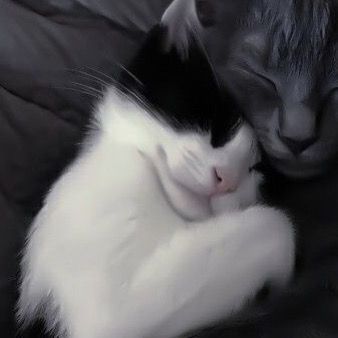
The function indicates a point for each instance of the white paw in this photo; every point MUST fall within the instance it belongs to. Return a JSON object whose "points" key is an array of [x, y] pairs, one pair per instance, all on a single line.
{"points": [[274, 228]]}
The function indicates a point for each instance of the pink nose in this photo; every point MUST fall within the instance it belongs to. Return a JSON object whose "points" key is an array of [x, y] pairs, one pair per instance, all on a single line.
{"points": [[224, 183]]}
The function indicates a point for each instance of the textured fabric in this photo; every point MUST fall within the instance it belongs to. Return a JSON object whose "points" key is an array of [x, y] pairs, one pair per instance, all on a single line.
{"points": [[44, 47]]}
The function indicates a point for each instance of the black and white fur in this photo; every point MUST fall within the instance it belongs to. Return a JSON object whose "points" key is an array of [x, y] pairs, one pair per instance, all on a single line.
{"points": [[153, 230]]}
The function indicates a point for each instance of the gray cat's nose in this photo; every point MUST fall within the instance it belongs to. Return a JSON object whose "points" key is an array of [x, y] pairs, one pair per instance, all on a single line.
{"points": [[297, 146], [297, 127]]}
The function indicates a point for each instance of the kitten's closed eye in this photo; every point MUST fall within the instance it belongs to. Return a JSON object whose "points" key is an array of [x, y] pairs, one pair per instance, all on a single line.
{"points": [[259, 167]]}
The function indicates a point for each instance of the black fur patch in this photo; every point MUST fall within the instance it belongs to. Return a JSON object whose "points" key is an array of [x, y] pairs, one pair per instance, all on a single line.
{"points": [[184, 92]]}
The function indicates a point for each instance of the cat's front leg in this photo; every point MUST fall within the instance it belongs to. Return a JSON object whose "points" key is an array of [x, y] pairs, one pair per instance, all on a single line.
{"points": [[208, 272]]}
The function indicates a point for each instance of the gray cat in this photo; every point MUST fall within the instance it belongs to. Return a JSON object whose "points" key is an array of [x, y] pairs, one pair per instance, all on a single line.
{"points": [[278, 58]]}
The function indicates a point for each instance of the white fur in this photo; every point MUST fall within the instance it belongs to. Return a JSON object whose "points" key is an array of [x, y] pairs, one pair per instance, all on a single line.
{"points": [[112, 254]]}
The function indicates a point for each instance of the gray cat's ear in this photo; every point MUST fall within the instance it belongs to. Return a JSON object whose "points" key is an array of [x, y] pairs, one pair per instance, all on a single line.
{"points": [[182, 20]]}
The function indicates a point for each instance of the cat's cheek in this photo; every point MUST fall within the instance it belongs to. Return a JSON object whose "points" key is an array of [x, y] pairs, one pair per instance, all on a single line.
{"points": [[192, 209], [249, 190]]}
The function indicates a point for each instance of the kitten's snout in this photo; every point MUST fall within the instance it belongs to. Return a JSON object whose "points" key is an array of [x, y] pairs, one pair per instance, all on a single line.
{"points": [[224, 182]]}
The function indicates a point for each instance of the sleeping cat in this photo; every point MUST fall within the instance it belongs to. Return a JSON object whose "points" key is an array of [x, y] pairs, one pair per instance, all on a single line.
{"points": [[151, 231], [279, 59]]}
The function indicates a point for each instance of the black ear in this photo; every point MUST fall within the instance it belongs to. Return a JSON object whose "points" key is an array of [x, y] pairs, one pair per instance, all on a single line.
{"points": [[185, 89]]}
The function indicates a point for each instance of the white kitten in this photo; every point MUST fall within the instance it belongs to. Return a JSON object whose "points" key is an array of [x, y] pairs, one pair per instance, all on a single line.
{"points": [[133, 240], [149, 232]]}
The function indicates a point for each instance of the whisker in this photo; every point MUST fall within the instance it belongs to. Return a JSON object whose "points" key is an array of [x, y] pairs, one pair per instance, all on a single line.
{"points": [[197, 170], [194, 158], [102, 73], [191, 154], [194, 163], [79, 91], [88, 75], [133, 76], [117, 85], [122, 89], [88, 88]]}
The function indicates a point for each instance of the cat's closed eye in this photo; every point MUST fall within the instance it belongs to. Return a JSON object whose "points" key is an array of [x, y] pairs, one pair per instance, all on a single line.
{"points": [[248, 85], [257, 167], [257, 85], [268, 83], [327, 103], [331, 95]]}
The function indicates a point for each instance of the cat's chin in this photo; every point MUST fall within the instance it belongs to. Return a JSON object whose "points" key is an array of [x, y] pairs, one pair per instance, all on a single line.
{"points": [[187, 204], [225, 203], [297, 170]]}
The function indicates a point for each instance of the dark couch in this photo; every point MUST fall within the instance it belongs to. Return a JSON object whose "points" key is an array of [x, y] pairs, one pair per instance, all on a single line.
{"points": [[50, 52]]}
